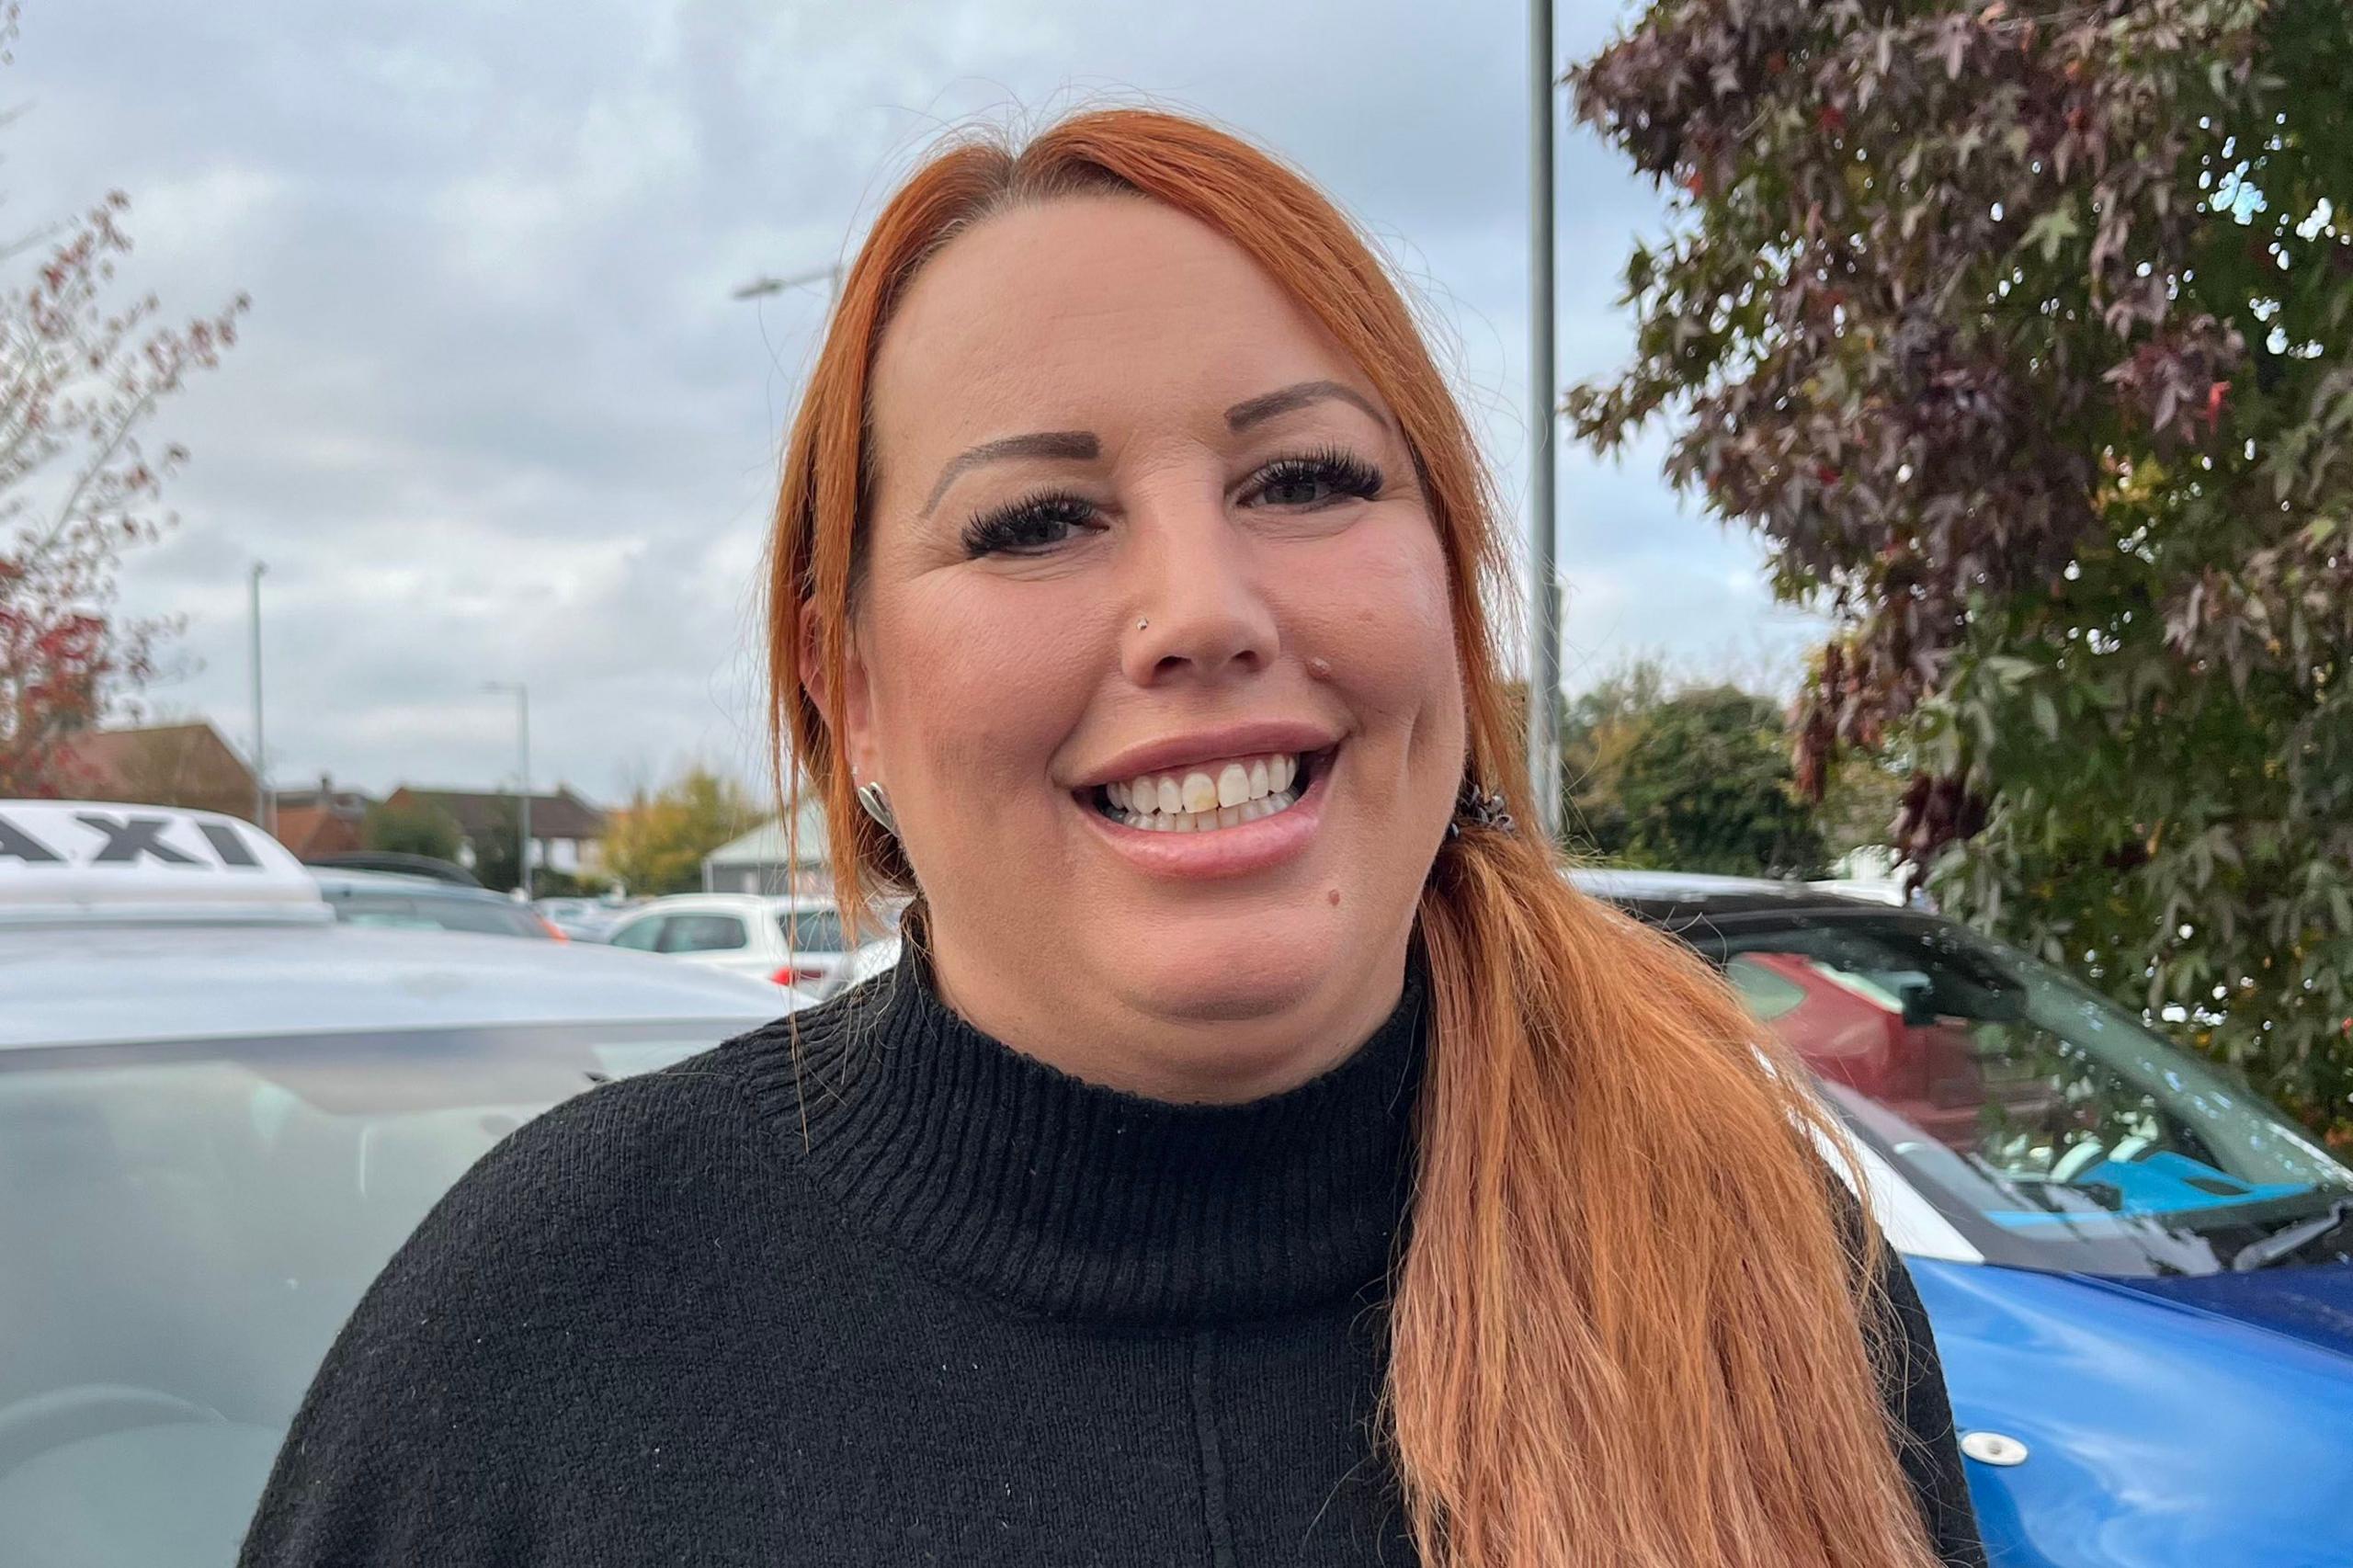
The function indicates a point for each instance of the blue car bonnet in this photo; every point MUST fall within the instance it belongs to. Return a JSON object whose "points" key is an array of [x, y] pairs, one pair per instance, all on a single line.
{"points": [[2184, 1422], [2313, 1304]]}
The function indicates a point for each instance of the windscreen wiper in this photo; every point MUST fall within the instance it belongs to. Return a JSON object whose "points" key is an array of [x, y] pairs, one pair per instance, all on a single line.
{"points": [[2281, 1245]]}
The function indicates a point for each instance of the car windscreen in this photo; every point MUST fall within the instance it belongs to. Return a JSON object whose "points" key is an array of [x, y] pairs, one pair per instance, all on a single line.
{"points": [[2055, 1130], [186, 1225], [485, 917]]}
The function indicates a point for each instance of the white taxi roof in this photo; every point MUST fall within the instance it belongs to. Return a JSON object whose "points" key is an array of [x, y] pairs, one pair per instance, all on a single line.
{"points": [[130, 982], [77, 862]]}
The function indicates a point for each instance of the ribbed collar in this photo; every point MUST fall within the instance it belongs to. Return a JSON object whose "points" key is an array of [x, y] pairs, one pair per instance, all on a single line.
{"points": [[1067, 1198]]}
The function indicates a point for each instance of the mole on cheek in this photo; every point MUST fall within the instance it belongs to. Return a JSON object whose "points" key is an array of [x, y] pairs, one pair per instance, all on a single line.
{"points": [[1319, 668], [1335, 896]]}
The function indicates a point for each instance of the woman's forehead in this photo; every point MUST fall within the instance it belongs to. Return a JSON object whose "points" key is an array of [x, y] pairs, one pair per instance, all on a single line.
{"points": [[1091, 313]]}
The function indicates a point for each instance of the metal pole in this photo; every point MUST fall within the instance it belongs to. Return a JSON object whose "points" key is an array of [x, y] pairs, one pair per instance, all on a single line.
{"points": [[1544, 599], [262, 813], [523, 732]]}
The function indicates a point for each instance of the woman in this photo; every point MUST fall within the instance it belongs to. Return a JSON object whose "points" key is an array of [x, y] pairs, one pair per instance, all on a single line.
{"points": [[1262, 1154]]}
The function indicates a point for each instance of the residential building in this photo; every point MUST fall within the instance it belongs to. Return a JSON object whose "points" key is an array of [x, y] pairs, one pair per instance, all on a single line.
{"points": [[160, 765], [766, 860], [325, 821], [567, 831]]}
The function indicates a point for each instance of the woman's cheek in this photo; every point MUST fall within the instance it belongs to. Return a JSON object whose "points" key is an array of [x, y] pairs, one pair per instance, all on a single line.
{"points": [[973, 699], [1376, 610]]}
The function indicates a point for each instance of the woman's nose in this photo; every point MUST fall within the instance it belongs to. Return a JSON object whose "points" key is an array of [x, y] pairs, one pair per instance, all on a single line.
{"points": [[1200, 610]]}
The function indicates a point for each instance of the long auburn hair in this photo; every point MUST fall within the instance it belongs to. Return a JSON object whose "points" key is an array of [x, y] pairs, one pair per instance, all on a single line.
{"points": [[1630, 1325]]}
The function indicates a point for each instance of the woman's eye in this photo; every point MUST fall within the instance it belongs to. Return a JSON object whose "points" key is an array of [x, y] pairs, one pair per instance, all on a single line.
{"points": [[1027, 527], [1317, 481]]}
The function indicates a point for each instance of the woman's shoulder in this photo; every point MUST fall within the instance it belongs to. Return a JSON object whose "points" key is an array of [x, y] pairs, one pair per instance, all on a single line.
{"points": [[666, 1138], [619, 1174], [568, 1256]]}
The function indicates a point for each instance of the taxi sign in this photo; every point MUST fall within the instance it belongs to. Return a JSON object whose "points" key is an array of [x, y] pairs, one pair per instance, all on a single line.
{"points": [[73, 860]]}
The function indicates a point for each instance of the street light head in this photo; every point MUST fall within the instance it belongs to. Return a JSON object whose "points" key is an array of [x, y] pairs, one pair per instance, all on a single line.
{"points": [[762, 286]]}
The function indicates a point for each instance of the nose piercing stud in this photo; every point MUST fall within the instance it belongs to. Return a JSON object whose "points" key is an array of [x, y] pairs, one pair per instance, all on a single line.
{"points": [[1142, 624]]}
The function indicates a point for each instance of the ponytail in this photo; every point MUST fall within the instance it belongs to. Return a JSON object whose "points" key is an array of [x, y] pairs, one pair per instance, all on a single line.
{"points": [[1628, 1289]]}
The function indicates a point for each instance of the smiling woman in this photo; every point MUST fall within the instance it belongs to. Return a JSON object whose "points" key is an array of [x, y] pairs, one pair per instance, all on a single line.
{"points": [[1261, 1153]]}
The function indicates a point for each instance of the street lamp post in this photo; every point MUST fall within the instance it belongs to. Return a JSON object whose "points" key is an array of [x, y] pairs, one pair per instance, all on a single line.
{"points": [[262, 803], [523, 780], [1544, 598]]}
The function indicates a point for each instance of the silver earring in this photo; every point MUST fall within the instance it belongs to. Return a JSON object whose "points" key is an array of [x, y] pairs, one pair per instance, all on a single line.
{"points": [[877, 806]]}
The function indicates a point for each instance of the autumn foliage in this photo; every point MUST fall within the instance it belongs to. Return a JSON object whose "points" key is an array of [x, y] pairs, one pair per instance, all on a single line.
{"points": [[2018, 332], [81, 372]]}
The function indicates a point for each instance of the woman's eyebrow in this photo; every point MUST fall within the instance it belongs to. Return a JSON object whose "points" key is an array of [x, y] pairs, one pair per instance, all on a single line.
{"points": [[1072, 445], [1265, 406], [1080, 445]]}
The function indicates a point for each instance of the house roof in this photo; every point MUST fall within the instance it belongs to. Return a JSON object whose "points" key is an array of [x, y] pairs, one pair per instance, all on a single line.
{"points": [[166, 765], [114, 753], [561, 815], [308, 830]]}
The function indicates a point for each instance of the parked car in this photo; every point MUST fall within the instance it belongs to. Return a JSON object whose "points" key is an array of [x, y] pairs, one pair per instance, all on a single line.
{"points": [[221, 1111], [584, 919], [422, 903], [2139, 1275], [795, 940], [398, 863]]}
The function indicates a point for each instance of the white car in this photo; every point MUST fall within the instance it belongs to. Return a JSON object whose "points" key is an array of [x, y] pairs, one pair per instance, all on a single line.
{"points": [[796, 941], [221, 1111]]}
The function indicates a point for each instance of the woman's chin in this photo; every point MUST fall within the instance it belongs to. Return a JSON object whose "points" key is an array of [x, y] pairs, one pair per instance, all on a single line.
{"points": [[1229, 973], [1248, 1013]]}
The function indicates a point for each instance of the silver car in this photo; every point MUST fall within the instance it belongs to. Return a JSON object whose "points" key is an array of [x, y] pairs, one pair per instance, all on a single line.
{"points": [[221, 1111]]}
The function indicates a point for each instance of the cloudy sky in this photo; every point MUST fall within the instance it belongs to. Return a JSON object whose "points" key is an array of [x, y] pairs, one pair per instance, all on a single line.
{"points": [[496, 417]]}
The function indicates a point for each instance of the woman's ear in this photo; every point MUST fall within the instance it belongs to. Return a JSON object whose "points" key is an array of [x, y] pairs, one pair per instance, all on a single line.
{"points": [[854, 718]]}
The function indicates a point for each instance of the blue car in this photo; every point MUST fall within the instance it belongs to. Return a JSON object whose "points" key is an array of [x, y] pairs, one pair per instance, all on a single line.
{"points": [[2141, 1274]]}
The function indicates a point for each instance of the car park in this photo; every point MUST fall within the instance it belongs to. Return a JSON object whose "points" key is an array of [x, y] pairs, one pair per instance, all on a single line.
{"points": [[2139, 1275], [221, 1111], [791, 940]]}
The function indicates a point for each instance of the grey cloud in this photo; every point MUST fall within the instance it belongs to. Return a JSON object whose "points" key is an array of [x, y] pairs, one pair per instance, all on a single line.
{"points": [[496, 415]]}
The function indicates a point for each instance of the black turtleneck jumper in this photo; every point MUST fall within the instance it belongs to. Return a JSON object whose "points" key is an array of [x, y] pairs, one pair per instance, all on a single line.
{"points": [[914, 1299]]}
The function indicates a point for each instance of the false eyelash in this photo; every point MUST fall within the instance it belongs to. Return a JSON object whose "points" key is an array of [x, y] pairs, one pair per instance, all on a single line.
{"points": [[1346, 473], [1004, 529]]}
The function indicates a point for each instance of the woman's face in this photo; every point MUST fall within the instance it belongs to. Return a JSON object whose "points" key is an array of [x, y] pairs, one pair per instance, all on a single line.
{"points": [[1152, 654]]}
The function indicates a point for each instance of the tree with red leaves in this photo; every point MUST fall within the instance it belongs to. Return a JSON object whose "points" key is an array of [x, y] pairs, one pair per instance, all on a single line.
{"points": [[80, 377], [2018, 332]]}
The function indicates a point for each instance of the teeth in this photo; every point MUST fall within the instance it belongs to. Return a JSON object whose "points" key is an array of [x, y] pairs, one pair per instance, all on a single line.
{"points": [[1202, 800]]}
